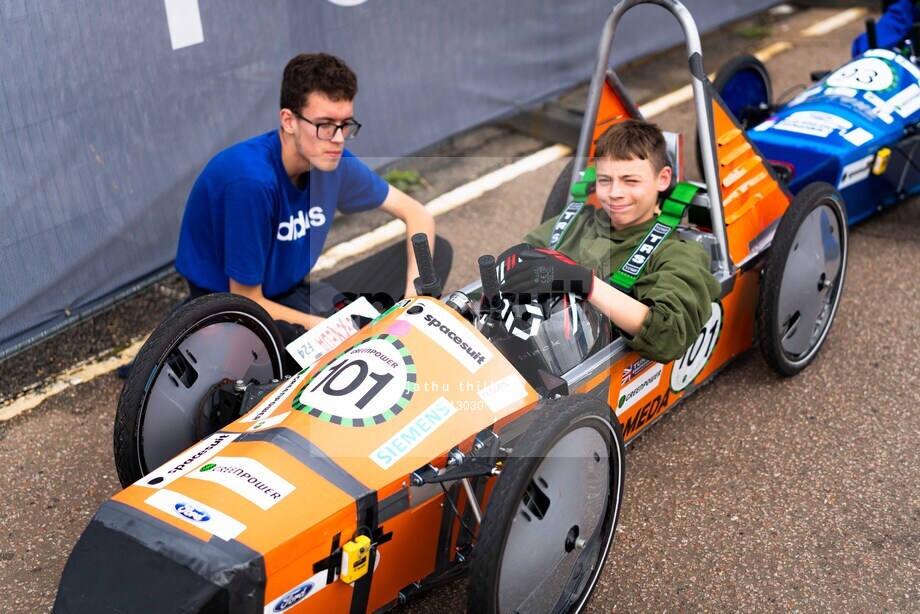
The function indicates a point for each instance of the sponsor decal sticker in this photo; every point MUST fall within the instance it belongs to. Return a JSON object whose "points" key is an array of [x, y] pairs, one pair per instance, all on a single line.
{"points": [[188, 460], [644, 384], [307, 589], [634, 369], [413, 433], [503, 393], [854, 172], [443, 328], [295, 596], [813, 123], [247, 477], [907, 101], [843, 92], [880, 108], [691, 364], [269, 422], [196, 513], [271, 403], [327, 336], [366, 385], [646, 413], [858, 136]]}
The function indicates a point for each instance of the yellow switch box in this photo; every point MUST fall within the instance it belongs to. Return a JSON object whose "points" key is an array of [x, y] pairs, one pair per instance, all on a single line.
{"points": [[881, 161], [355, 558]]}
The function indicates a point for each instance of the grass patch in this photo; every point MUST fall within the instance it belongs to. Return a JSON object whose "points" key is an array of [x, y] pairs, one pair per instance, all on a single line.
{"points": [[407, 181], [753, 32]]}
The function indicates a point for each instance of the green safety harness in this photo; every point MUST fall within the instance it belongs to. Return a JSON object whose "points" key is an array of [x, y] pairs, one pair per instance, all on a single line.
{"points": [[673, 206]]}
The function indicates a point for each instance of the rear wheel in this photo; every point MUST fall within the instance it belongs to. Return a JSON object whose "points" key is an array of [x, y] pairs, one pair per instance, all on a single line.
{"points": [[164, 408], [550, 521], [745, 87], [802, 279]]}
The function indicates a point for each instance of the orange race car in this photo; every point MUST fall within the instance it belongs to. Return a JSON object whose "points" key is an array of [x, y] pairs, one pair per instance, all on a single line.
{"points": [[469, 436]]}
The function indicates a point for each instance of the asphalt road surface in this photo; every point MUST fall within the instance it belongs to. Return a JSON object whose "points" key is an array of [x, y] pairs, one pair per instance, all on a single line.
{"points": [[757, 494]]}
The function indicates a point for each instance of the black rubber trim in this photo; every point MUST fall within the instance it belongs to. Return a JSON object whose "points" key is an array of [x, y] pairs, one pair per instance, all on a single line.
{"points": [[366, 508], [393, 506], [307, 453], [696, 67], [129, 561]]}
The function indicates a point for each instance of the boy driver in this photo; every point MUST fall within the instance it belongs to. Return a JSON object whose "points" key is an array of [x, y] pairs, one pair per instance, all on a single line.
{"points": [[669, 303]]}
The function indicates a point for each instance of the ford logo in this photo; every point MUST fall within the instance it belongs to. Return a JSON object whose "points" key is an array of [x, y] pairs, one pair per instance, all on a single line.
{"points": [[191, 512], [293, 597]]}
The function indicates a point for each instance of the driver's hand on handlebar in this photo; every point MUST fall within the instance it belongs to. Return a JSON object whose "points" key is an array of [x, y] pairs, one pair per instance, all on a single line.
{"points": [[544, 271]]}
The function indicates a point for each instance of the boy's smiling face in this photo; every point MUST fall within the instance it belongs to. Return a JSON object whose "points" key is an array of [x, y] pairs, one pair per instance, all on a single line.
{"points": [[628, 190]]}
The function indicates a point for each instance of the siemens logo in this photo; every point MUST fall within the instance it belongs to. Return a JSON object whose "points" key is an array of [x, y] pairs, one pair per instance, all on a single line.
{"points": [[296, 227]]}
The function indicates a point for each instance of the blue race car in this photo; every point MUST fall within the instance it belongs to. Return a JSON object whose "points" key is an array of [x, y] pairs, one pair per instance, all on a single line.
{"points": [[857, 128]]}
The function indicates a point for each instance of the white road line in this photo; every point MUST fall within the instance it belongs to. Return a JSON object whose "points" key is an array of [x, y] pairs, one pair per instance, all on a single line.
{"points": [[836, 21], [71, 377], [442, 204], [684, 94]]}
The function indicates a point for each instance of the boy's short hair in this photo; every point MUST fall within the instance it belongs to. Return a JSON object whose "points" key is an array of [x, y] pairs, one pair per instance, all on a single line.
{"points": [[633, 139], [316, 72]]}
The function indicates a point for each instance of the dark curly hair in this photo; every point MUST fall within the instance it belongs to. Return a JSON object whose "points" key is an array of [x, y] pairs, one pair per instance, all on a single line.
{"points": [[316, 72], [633, 138]]}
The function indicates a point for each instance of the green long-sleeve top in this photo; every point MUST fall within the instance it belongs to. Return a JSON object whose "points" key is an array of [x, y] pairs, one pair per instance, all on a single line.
{"points": [[676, 283]]}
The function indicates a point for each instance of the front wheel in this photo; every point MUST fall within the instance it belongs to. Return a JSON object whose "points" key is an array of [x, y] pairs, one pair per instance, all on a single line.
{"points": [[164, 406], [550, 521], [802, 279]]}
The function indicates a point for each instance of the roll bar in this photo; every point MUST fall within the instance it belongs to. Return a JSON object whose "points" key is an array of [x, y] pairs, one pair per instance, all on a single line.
{"points": [[700, 97]]}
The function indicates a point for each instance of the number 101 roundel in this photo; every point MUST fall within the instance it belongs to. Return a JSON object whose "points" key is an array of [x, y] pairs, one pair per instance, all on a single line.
{"points": [[366, 385]]}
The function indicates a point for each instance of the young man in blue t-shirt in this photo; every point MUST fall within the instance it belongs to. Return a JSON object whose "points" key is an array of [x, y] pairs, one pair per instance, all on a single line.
{"points": [[892, 27], [260, 211]]}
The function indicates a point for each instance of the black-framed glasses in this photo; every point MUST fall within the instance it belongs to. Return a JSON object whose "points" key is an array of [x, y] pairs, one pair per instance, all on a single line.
{"points": [[325, 131]]}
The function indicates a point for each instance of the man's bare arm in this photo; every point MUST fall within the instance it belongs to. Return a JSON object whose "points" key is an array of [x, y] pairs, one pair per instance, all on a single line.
{"points": [[276, 310], [417, 219]]}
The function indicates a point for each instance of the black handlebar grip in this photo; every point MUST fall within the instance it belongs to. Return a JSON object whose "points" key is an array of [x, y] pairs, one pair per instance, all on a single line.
{"points": [[871, 37], [427, 283], [915, 37], [490, 286]]}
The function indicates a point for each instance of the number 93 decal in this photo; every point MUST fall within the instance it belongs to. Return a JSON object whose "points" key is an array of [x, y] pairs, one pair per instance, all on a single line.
{"points": [[365, 385], [691, 364], [871, 74]]}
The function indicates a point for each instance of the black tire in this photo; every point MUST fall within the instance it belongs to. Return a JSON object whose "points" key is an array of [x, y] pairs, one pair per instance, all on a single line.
{"points": [[571, 441], [742, 72], [802, 279], [157, 415], [559, 196], [744, 85]]}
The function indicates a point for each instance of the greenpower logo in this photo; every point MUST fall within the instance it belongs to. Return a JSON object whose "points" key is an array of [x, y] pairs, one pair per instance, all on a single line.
{"points": [[207, 467], [622, 400]]}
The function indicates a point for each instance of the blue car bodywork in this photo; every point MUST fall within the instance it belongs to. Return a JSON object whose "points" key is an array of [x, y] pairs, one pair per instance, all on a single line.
{"points": [[856, 129]]}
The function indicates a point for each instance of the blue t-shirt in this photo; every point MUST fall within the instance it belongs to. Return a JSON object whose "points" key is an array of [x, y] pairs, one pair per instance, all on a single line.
{"points": [[245, 219], [892, 27]]}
